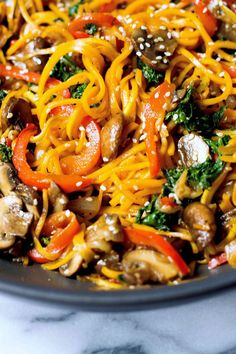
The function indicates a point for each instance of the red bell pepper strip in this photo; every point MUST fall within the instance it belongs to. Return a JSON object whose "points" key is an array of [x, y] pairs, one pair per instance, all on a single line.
{"points": [[205, 16], [99, 19], [79, 34], [168, 201], [151, 239], [68, 184], [61, 227], [155, 110], [231, 70], [28, 76], [217, 261], [84, 162]]}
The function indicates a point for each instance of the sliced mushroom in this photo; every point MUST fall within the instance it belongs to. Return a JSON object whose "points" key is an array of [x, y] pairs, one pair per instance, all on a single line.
{"points": [[228, 220], [141, 266], [111, 137], [30, 198], [57, 198], [6, 241], [9, 184], [227, 32], [8, 178], [105, 230], [201, 222], [72, 266], [14, 221], [192, 150], [37, 62], [17, 111], [154, 49]]}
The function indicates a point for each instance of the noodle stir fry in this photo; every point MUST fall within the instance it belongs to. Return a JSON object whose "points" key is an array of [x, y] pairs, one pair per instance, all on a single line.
{"points": [[118, 137]]}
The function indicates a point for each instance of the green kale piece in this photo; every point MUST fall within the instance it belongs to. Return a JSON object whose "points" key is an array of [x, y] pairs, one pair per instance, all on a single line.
{"points": [[91, 28], [2, 95], [172, 175], [151, 75], [64, 69], [77, 91], [151, 216], [192, 118], [5, 153], [73, 10]]}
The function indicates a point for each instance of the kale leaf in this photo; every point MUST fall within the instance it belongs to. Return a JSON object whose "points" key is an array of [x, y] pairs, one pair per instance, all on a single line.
{"points": [[77, 91], [202, 175], [91, 28], [215, 144], [2, 95], [151, 75], [5, 153], [73, 10], [172, 175], [65, 68], [189, 114], [151, 216]]}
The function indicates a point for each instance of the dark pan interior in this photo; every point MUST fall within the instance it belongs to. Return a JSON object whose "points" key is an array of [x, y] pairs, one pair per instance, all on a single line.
{"points": [[37, 284]]}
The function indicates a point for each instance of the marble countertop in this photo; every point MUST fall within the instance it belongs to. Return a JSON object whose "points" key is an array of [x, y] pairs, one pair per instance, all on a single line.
{"points": [[202, 327]]}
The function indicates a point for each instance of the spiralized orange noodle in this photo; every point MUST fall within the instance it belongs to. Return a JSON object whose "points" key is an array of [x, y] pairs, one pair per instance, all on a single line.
{"points": [[121, 119]]}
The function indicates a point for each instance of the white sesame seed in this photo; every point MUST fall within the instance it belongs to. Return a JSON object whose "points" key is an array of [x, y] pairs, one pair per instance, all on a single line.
{"points": [[144, 28], [163, 28], [141, 39], [148, 45], [67, 213], [161, 46], [149, 36], [35, 202], [222, 74], [141, 46], [156, 95], [62, 201], [167, 94], [154, 61], [139, 54], [9, 115], [103, 188], [79, 183], [89, 199]]}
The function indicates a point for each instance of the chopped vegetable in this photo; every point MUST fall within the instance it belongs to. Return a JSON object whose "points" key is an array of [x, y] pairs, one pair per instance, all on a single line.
{"points": [[2, 95], [152, 239], [85, 161], [5, 153], [189, 114], [155, 111], [65, 68], [172, 175], [61, 227], [217, 261], [98, 19], [151, 75], [150, 215], [205, 16], [90, 28], [70, 183], [73, 10], [77, 91]]}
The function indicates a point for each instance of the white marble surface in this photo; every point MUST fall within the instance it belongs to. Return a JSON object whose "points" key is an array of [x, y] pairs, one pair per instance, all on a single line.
{"points": [[201, 327]]}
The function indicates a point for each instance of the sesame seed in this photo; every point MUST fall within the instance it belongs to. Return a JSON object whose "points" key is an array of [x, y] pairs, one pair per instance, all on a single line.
{"points": [[204, 10], [89, 199], [103, 188], [159, 57], [141, 39], [144, 28], [148, 45], [168, 54], [161, 46], [10, 115], [169, 35], [62, 201], [79, 183], [67, 213], [165, 61], [149, 36], [222, 74], [154, 61], [167, 94], [105, 159], [35, 202], [134, 141], [139, 54], [141, 46], [156, 95]]}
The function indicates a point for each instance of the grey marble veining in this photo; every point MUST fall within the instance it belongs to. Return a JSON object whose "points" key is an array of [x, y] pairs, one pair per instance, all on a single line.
{"points": [[202, 327]]}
